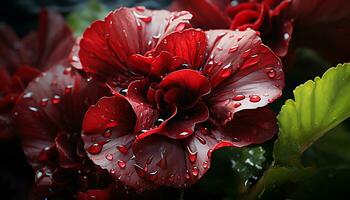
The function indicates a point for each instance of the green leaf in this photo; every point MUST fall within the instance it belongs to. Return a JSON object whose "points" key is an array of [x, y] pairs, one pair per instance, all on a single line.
{"points": [[319, 106], [332, 150], [80, 20]]}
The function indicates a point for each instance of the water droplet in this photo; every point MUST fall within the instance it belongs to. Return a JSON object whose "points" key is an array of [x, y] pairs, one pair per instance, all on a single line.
{"points": [[171, 177], [271, 73], [109, 156], [121, 164], [68, 70], [122, 149], [44, 102], [187, 175], [226, 71], [68, 89], [286, 36], [195, 171], [192, 156], [233, 49], [246, 53], [183, 134], [162, 162], [219, 48], [112, 123], [205, 165], [96, 148], [123, 91], [201, 140], [28, 95], [107, 133], [56, 99], [33, 109], [140, 170], [254, 98], [236, 105], [153, 175], [113, 171], [238, 97], [158, 122], [252, 61]]}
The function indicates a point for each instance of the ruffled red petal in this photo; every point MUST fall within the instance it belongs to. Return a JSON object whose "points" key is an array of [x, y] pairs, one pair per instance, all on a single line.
{"points": [[190, 45], [107, 45], [244, 73], [111, 148]]}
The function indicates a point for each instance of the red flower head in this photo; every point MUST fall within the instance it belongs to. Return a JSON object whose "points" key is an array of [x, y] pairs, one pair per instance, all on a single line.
{"points": [[22, 60], [49, 117], [182, 95], [264, 16]]}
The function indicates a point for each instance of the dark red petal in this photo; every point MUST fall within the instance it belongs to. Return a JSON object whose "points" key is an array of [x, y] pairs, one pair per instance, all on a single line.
{"points": [[190, 45], [244, 73], [27, 74], [146, 114], [9, 44], [184, 87], [107, 45], [207, 14], [181, 123], [110, 147], [140, 64], [178, 163], [54, 102], [66, 148], [109, 112], [55, 40], [249, 127]]}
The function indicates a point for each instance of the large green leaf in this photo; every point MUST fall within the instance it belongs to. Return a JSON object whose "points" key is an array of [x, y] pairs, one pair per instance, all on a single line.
{"points": [[319, 106]]}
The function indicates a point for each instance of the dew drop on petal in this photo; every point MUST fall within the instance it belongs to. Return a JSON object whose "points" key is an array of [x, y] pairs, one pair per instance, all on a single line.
{"points": [[96, 148], [195, 171], [28, 95], [205, 165], [107, 133], [233, 49], [239, 97], [140, 170], [187, 175], [68, 89], [109, 156], [254, 98], [210, 151], [121, 164], [236, 105], [201, 140], [44, 102], [122, 149], [271, 73], [192, 156], [56, 99]]}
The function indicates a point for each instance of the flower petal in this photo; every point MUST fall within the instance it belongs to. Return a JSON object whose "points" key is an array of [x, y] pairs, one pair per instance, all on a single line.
{"points": [[107, 45], [189, 45], [54, 102], [244, 73], [207, 14], [182, 90], [178, 163], [110, 147], [248, 127]]}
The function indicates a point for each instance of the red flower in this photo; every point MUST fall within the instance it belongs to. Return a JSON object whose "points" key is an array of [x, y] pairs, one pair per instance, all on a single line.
{"points": [[179, 96], [22, 60], [49, 117], [264, 16]]}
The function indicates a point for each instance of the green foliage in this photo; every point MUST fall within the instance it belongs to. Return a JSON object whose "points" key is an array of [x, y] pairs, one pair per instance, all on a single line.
{"points": [[319, 106], [80, 20]]}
